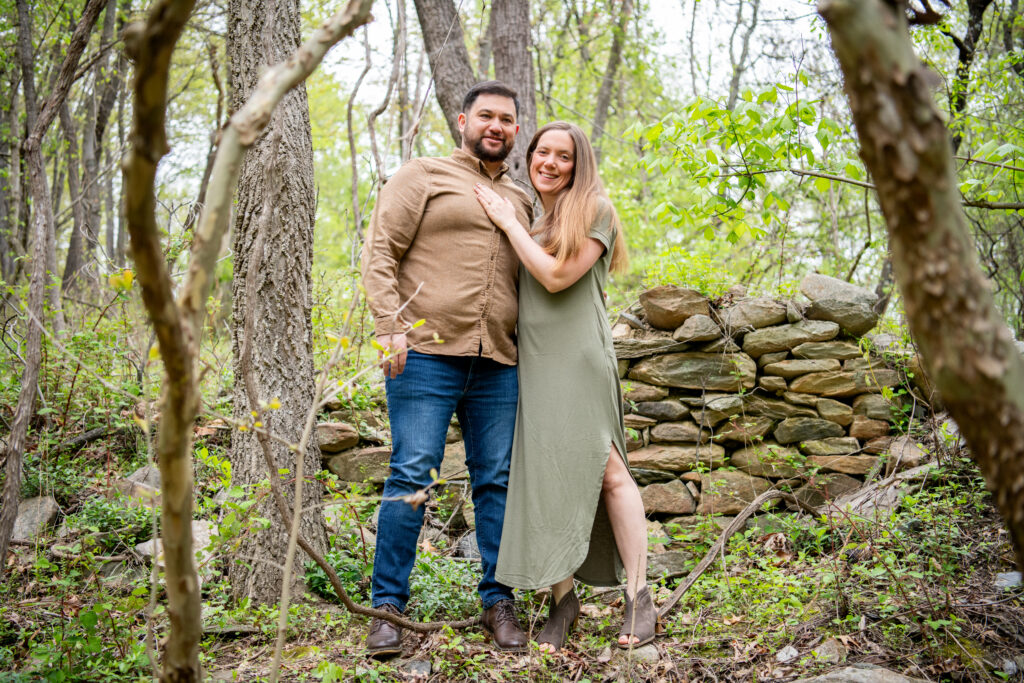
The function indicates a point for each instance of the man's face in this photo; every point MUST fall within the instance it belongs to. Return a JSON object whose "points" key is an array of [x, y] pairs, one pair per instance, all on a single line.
{"points": [[489, 127]]}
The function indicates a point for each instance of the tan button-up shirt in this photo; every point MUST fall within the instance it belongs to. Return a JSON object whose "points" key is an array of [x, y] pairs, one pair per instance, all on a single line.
{"points": [[428, 231]]}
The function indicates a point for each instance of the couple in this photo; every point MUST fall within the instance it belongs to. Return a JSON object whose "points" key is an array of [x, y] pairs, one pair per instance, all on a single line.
{"points": [[449, 243]]}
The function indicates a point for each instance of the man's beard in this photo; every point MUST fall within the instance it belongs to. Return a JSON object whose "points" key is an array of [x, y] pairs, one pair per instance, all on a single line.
{"points": [[484, 155]]}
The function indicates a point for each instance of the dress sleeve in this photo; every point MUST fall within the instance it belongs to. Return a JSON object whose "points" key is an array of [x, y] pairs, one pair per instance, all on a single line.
{"points": [[602, 229]]}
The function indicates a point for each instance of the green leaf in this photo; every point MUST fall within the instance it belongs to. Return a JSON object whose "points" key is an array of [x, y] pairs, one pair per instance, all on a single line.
{"points": [[822, 184]]}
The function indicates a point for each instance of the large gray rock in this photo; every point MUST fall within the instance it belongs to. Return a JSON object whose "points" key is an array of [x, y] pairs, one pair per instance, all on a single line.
{"points": [[768, 459], [796, 429], [668, 306], [854, 319], [861, 673], [745, 429], [697, 328], [202, 538], [638, 391], [725, 492], [751, 314], [679, 431], [677, 457], [645, 477], [798, 399], [638, 348], [776, 385], [869, 363], [335, 437], [638, 421], [840, 384], [34, 516], [673, 562], [723, 345], [776, 409], [866, 429], [670, 498], [874, 406], [669, 409], [817, 287], [770, 358], [718, 410], [840, 350], [834, 411], [785, 337], [361, 464], [147, 476], [711, 371], [847, 464], [904, 454], [795, 368]]}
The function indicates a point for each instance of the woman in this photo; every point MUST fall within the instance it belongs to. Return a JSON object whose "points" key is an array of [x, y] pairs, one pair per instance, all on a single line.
{"points": [[573, 507]]}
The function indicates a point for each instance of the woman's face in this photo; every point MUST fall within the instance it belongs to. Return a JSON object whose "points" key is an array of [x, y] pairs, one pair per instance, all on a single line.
{"points": [[552, 163]]}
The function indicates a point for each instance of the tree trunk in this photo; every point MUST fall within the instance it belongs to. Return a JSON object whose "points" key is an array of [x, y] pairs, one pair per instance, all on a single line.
{"points": [[7, 145], [73, 261], [273, 233], [966, 49], [449, 60], [604, 94], [42, 223], [967, 349], [740, 65], [513, 64]]}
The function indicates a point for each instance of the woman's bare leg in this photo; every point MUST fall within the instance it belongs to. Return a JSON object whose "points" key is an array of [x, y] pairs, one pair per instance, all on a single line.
{"points": [[626, 512]]}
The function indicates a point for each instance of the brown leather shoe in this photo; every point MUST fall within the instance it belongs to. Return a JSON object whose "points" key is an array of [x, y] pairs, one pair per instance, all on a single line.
{"points": [[503, 625], [384, 639]]}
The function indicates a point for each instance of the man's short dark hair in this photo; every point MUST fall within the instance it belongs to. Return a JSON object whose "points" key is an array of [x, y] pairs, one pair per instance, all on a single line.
{"points": [[489, 88]]}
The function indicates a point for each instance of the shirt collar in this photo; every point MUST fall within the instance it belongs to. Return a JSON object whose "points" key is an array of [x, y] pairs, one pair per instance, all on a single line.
{"points": [[467, 159]]}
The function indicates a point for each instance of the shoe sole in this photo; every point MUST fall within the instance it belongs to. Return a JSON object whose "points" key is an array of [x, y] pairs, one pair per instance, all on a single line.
{"points": [[384, 652]]}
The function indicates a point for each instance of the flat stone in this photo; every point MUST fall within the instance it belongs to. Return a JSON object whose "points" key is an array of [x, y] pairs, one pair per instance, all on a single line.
{"points": [[703, 399], [904, 454], [786, 337], [677, 457], [841, 384], [335, 437], [825, 487], [648, 654], [646, 477], [751, 314], [834, 411], [847, 464], [862, 363], [418, 668], [855, 319], [637, 421], [797, 367], [722, 372], [670, 498], [668, 306], [774, 384], [799, 399], [865, 429], [786, 654], [769, 358], [202, 536], [697, 328], [673, 562], [746, 429], [725, 492], [776, 409], [795, 429], [818, 287], [34, 516], [839, 445], [148, 476], [362, 464], [679, 431], [638, 348], [839, 350], [830, 652], [723, 345], [669, 409], [768, 459], [635, 439], [874, 406], [795, 311], [720, 522], [1006, 580], [639, 391], [877, 446], [861, 673]]}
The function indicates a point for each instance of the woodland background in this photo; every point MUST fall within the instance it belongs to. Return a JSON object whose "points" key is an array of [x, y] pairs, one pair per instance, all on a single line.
{"points": [[726, 142]]}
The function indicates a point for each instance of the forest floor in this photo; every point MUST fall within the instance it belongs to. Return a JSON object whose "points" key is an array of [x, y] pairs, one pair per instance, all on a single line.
{"points": [[922, 591]]}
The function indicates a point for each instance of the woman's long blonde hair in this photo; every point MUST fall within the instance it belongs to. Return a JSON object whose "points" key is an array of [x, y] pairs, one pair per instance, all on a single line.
{"points": [[566, 226]]}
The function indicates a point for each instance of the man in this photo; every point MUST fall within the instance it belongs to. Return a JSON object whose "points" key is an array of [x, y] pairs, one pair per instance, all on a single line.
{"points": [[433, 255]]}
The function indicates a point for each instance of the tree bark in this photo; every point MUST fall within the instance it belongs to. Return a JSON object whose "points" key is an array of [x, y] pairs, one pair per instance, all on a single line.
{"points": [[277, 216], [42, 223], [73, 260], [449, 60], [513, 64], [967, 349], [7, 144]]}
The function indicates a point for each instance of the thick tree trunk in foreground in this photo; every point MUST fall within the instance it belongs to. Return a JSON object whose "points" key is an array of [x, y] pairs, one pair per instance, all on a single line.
{"points": [[967, 348], [273, 233], [449, 60], [513, 64]]}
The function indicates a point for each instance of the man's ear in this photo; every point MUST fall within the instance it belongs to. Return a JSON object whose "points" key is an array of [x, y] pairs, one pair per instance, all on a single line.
{"points": [[462, 121]]}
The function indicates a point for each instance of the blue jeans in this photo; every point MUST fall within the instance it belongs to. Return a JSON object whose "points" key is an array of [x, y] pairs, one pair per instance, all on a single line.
{"points": [[421, 401]]}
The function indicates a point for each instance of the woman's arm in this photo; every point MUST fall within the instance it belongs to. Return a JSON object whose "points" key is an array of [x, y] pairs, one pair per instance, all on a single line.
{"points": [[553, 276]]}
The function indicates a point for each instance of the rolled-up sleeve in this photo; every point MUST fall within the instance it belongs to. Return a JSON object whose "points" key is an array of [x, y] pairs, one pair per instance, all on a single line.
{"points": [[393, 226]]}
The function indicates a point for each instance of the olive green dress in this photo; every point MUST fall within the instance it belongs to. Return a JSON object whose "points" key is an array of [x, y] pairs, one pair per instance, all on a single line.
{"points": [[569, 416]]}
